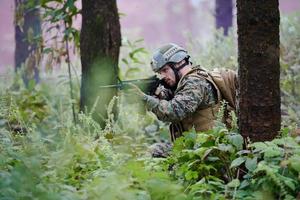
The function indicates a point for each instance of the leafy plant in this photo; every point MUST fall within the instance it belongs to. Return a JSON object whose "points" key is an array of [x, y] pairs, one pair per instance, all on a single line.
{"points": [[23, 106], [271, 166], [290, 68], [133, 60], [214, 165], [203, 160], [56, 159]]}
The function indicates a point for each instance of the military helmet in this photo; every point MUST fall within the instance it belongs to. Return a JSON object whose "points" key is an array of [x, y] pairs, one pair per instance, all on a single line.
{"points": [[169, 53]]}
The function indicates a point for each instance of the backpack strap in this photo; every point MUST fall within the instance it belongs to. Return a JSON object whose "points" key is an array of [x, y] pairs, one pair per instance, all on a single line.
{"points": [[203, 73]]}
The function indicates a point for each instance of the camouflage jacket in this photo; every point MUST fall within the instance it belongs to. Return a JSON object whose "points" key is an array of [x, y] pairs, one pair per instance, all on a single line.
{"points": [[192, 93]]}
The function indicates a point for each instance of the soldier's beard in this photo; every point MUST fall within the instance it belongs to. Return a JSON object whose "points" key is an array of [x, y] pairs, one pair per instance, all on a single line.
{"points": [[170, 84]]}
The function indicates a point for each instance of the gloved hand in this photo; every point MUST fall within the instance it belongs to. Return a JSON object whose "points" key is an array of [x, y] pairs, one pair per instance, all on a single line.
{"points": [[136, 93], [163, 93], [135, 90]]}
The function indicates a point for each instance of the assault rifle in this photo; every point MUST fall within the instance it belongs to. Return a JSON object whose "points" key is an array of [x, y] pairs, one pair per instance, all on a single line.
{"points": [[147, 85]]}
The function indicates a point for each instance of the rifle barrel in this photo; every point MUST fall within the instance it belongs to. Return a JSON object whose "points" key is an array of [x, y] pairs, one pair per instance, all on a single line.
{"points": [[126, 82], [110, 86]]}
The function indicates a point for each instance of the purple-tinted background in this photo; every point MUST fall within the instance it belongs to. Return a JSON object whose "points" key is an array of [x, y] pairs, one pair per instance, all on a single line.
{"points": [[157, 21]]}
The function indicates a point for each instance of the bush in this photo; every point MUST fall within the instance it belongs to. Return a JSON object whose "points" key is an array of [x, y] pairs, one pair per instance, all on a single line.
{"points": [[214, 165]]}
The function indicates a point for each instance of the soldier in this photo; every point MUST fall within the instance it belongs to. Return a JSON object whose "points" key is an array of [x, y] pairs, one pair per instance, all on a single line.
{"points": [[194, 102]]}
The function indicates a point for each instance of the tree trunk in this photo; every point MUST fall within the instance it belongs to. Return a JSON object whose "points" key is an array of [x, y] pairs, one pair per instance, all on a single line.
{"points": [[26, 44], [223, 12], [259, 69], [99, 45]]}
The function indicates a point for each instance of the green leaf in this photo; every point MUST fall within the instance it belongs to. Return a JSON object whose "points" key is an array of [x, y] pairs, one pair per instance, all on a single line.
{"points": [[139, 40], [202, 138], [272, 152], [206, 153], [190, 138], [3, 122], [237, 162], [201, 151], [237, 140], [243, 152], [251, 163], [234, 183], [70, 3], [31, 84], [121, 14], [295, 162], [259, 146], [285, 131], [191, 175], [124, 60], [290, 184], [213, 158], [225, 147], [47, 50], [139, 50], [244, 184]]}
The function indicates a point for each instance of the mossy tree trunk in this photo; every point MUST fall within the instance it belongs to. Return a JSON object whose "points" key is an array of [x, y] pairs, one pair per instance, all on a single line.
{"points": [[100, 43], [223, 14], [259, 70], [27, 32]]}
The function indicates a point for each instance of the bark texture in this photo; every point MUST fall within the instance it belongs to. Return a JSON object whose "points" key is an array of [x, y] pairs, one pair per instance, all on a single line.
{"points": [[99, 44], [259, 69], [223, 12], [26, 48]]}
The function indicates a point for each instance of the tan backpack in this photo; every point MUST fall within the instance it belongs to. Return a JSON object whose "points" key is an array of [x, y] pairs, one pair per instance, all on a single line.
{"points": [[226, 81]]}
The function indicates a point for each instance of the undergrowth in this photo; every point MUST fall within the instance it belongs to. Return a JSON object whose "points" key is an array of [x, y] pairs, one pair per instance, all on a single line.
{"points": [[49, 157]]}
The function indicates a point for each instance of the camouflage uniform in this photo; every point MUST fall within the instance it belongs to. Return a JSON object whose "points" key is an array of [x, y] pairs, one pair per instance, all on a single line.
{"points": [[192, 93], [196, 99], [161, 149]]}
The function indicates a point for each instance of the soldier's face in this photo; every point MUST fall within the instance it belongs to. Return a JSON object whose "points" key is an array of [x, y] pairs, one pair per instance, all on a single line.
{"points": [[168, 75]]}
